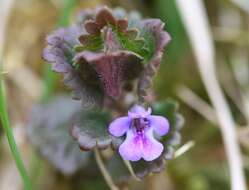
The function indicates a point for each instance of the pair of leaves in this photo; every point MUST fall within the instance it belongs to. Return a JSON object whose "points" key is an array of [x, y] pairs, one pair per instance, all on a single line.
{"points": [[130, 36], [48, 132]]}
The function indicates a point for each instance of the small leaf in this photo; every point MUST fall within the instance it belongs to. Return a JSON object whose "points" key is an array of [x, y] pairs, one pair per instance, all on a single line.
{"points": [[169, 109], [90, 129], [90, 42], [121, 174], [166, 108], [48, 132], [143, 168], [83, 84], [141, 46], [150, 45], [104, 17], [92, 27], [122, 25], [132, 33]]}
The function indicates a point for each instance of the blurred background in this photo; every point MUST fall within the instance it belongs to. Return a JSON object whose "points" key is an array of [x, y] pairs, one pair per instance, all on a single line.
{"points": [[204, 166]]}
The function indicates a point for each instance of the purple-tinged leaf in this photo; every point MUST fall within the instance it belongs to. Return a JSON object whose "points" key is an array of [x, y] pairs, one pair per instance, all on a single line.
{"points": [[162, 38], [90, 129], [112, 69], [48, 132]]}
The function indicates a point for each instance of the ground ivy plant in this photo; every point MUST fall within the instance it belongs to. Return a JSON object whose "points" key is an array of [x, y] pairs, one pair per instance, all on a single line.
{"points": [[108, 59]]}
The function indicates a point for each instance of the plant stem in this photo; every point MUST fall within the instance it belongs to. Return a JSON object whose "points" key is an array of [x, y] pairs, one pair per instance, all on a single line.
{"points": [[4, 118], [8, 131], [104, 171], [129, 167]]}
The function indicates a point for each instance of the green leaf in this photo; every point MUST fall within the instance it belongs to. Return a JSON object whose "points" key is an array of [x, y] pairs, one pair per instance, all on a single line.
{"points": [[121, 174], [90, 129], [48, 132], [90, 43], [165, 108], [143, 168], [150, 44], [169, 109], [144, 45]]}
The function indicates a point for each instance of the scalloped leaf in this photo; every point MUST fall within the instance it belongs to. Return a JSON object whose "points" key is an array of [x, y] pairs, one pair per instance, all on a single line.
{"points": [[143, 168], [121, 174], [48, 132], [169, 109], [90, 129], [84, 86], [90, 43], [144, 45], [166, 108]]}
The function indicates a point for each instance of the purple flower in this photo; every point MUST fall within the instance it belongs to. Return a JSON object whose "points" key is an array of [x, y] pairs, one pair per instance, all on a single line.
{"points": [[139, 127]]}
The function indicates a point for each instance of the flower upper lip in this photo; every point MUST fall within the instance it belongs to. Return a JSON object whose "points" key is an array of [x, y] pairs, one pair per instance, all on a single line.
{"points": [[139, 112]]}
